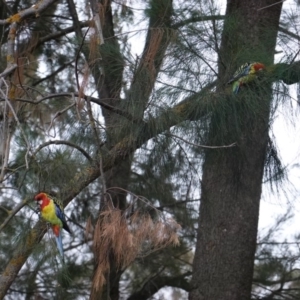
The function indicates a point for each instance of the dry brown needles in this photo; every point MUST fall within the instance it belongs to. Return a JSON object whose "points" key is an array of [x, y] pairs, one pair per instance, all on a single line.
{"points": [[123, 236]]}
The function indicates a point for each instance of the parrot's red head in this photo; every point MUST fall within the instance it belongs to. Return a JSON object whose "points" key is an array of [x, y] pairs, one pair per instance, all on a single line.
{"points": [[258, 67], [42, 199]]}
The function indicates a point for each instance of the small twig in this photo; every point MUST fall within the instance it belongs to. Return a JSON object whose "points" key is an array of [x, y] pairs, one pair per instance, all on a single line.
{"points": [[102, 175], [96, 133], [18, 123], [61, 68], [8, 70], [6, 144], [76, 61], [295, 56], [13, 212], [271, 5], [60, 113], [11, 172], [5, 209], [57, 35], [77, 101], [202, 146], [142, 198], [127, 32], [98, 101], [92, 121]]}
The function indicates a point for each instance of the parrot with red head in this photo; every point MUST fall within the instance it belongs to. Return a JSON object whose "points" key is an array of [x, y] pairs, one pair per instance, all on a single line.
{"points": [[245, 74], [52, 211]]}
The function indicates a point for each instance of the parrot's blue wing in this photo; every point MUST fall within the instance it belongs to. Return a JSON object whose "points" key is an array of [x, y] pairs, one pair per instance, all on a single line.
{"points": [[60, 214], [242, 71]]}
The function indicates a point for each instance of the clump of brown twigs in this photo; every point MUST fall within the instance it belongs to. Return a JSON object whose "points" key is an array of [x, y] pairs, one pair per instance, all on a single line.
{"points": [[124, 235]]}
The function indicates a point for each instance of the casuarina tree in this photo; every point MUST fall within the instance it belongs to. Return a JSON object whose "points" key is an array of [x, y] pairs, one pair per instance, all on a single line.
{"points": [[152, 122]]}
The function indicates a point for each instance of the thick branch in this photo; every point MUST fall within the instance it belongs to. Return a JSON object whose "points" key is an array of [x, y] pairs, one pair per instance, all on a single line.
{"points": [[13, 212], [158, 39], [20, 256], [291, 34], [34, 10], [288, 73]]}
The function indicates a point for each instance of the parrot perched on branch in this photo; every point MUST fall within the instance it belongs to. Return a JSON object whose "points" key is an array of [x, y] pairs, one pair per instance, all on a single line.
{"points": [[52, 211], [245, 74]]}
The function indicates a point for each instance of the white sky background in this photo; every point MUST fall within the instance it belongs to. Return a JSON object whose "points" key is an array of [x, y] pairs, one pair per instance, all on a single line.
{"points": [[286, 129]]}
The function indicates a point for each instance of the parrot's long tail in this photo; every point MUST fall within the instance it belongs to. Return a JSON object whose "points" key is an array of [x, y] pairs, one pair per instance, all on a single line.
{"points": [[236, 87], [58, 239]]}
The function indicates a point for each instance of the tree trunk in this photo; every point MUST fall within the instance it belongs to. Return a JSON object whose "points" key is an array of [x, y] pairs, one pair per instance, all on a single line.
{"points": [[232, 178], [137, 98]]}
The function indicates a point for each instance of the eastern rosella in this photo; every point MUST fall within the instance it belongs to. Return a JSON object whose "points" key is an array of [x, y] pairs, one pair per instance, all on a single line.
{"points": [[52, 211], [245, 74]]}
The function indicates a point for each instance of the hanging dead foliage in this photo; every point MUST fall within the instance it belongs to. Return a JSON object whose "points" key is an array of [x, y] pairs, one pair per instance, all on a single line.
{"points": [[126, 235]]}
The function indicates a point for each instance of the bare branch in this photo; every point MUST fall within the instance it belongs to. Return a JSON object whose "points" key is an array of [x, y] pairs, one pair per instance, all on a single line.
{"points": [[101, 102], [58, 34], [13, 212], [63, 142], [9, 70], [291, 34], [197, 19], [34, 10], [57, 114], [61, 68], [18, 123], [279, 2], [202, 146]]}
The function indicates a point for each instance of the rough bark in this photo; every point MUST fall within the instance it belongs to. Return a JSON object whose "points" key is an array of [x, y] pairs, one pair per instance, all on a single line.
{"points": [[232, 178]]}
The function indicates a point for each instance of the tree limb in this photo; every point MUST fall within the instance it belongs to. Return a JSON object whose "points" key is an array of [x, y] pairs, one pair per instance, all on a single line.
{"points": [[57, 34], [11, 213], [34, 10], [67, 143], [20, 256]]}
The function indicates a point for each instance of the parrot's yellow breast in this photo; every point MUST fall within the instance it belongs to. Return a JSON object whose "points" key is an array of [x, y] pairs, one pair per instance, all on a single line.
{"points": [[49, 214]]}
